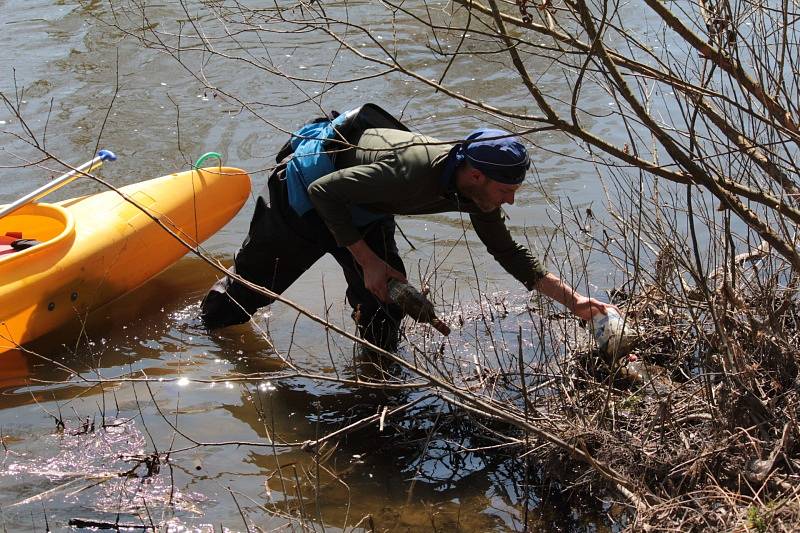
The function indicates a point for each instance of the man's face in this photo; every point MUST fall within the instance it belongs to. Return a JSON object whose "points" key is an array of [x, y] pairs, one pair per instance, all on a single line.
{"points": [[489, 194]]}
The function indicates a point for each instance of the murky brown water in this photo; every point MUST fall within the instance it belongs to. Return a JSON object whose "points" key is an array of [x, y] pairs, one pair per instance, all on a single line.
{"points": [[64, 57]]}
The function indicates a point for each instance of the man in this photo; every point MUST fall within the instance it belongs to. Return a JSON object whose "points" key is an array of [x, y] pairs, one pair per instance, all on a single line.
{"points": [[346, 206]]}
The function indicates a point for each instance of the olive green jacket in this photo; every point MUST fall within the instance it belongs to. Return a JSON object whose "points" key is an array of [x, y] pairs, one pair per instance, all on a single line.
{"points": [[395, 172]]}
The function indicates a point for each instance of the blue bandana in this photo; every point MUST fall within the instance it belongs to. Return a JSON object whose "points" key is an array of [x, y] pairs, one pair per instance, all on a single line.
{"points": [[493, 152]]}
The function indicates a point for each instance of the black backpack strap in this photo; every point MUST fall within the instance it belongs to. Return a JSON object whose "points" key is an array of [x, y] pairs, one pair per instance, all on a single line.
{"points": [[360, 119], [365, 117]]}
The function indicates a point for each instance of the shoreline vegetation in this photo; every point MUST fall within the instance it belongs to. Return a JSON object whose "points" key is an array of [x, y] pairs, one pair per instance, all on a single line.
{"points": [[700, 227]]}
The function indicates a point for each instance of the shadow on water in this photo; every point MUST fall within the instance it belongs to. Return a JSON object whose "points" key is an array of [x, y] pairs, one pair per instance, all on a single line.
{"points": [[427, 469], [432, 467]]}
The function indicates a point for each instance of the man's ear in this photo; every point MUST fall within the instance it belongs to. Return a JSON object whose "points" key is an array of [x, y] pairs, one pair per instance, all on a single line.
{"points": [[476, 176]]}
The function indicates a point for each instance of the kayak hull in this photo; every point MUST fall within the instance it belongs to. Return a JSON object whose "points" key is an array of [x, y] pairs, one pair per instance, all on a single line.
{"points": [[96, 248]]}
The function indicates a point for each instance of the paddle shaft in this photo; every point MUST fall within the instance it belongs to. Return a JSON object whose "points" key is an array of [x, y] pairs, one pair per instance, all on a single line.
{"points": [[47, 188]]}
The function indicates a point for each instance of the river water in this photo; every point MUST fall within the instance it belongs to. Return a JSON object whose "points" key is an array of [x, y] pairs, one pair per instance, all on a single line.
{"points": [[81, 83]]}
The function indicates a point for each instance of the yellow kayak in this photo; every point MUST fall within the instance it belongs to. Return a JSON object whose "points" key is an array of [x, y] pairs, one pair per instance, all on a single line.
{"points": [[93, 249]]}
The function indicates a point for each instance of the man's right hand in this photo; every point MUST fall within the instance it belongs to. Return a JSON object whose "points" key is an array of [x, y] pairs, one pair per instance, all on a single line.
{"points": [[377, 272], [376, 279]]}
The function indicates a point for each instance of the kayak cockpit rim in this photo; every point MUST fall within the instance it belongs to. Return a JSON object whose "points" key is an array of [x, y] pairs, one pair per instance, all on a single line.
{"points": [[51, 225]]}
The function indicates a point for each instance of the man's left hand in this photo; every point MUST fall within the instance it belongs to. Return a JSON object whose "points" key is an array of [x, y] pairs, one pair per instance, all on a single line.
{"points": [[586, 308]]}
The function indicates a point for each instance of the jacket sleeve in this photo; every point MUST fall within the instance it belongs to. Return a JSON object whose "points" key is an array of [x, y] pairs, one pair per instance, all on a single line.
{"points": [[512, 256], [334, 194]]}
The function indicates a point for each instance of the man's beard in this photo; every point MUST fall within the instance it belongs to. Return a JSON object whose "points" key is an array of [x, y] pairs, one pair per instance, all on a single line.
{"points": [[477, 193]]}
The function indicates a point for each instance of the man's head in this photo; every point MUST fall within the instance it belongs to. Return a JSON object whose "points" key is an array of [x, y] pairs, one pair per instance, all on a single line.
{"points": [[493, 168]]}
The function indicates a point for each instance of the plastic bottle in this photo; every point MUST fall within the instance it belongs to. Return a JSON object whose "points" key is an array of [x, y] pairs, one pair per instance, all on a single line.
{"points": [[612, 334], [415, 305]]}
